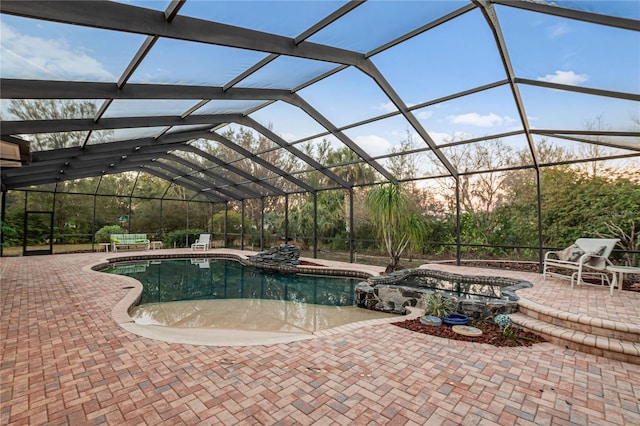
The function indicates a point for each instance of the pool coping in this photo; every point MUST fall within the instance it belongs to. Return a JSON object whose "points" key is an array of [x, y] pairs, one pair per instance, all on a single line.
{"points": [[218, 336]]}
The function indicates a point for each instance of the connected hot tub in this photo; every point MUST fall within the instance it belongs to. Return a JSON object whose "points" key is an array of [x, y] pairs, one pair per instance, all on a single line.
{"points": [[477, 297]]}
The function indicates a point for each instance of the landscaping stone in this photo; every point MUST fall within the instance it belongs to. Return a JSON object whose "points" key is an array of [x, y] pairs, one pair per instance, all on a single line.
{"points": [[283, 254], [476, 297]]}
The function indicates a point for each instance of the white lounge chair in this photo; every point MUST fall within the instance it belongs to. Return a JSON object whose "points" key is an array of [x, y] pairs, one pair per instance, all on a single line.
{"points": [[202, 242], [586, 257]]}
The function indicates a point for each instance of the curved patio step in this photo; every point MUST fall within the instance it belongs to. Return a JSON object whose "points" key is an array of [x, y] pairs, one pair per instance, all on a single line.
{"points": [[580, 322], [584, 334]]}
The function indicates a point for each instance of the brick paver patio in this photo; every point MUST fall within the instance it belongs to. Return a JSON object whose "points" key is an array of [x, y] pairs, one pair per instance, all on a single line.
{"points": [[66, 361]]}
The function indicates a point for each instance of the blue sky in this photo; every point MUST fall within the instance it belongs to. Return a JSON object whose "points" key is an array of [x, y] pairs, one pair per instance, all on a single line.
{"points": [[456, 56]]}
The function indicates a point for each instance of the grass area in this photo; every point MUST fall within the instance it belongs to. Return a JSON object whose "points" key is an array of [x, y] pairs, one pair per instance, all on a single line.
{"points": [[57, 249]]}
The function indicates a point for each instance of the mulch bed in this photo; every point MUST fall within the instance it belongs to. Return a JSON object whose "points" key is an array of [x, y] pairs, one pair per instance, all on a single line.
{"points": [[491, 333]]}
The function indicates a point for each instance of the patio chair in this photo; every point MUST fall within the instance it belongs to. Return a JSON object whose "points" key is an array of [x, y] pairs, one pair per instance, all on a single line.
{"points": [[587, 257], [202, 242]]}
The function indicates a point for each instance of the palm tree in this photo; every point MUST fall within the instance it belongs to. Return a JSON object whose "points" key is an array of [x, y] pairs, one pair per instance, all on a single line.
{"points": [[351, 168], [396, 222]]}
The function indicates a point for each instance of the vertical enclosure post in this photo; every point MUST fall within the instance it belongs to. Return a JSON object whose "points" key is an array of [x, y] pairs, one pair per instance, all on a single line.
{"points": [[160, 224], [24, 223], [129, 221], [351, 245], [95, 214], [540, 245], [187, 236], [286, 218], [242, 225], [315, 225], [261, 223], [53, 217], [93, 225], [458, 221], [2, 219], [225, 231]]}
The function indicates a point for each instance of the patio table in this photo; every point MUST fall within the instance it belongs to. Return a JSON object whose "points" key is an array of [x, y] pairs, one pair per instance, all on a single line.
{"points": [[618, 275]]}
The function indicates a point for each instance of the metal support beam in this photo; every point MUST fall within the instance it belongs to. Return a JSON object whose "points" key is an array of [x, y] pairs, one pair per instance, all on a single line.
{"points": [[370, 69], [132, 19], [242, 224], [553, 9], [249, 155], [315, 225], [351, 224], [539, 208], [458, 227], [261, 223], [296, 100], [231, 189], [187, 244], [492, 20], [11, 88], [286, 219], [247, 121], [233, 169], [3, 213], [225, 231]]}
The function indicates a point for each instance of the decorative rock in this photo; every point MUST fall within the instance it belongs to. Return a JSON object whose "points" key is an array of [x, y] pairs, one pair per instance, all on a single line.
{"points": [[485, 297], [466, 330], [284, 254], [430, 320], [503, 320]]}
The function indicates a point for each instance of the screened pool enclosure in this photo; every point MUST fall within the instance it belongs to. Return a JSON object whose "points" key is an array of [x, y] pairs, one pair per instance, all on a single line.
{"points": [[514, 126]]}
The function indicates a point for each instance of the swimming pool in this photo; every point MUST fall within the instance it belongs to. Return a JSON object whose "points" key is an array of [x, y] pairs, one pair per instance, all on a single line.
{"points": [[225, 293]]}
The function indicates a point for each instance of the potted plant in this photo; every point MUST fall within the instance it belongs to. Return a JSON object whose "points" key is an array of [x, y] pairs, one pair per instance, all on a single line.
{"points": [[435, 307]]}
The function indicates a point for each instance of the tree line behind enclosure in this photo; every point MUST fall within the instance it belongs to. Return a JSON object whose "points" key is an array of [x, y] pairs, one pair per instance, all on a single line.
{"points": [[498, 210]]}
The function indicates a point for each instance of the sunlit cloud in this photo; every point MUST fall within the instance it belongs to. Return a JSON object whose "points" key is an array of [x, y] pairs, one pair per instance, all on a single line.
{"points": [[26, 56], [475, 119], [565, 77], [373, 144]]}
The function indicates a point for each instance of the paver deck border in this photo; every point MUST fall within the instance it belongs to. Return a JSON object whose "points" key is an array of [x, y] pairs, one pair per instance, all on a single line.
{"points": [[66, 361]]}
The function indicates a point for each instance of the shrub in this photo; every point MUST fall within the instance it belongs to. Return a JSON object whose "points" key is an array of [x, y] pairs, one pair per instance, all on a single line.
{"points": [[436, 305], [178, 238], [103, 234], [7, 231]]}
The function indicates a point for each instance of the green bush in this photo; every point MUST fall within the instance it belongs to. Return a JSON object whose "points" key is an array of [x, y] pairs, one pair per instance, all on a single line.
{"points": [[178, 238], [7, 232], [436, 305], [102, 235]]}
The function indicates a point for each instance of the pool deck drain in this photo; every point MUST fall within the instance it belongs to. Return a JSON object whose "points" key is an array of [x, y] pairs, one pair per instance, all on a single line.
{"points": [[66, 361]]}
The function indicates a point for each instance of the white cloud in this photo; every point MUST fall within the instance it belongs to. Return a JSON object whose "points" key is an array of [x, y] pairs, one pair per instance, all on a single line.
{"points": [[373, 144], [387, 107], [442, 137], [26, 56], [565, 77], [555, 31], [289, 137], [507, 119], [424, 115], [475, 119]]}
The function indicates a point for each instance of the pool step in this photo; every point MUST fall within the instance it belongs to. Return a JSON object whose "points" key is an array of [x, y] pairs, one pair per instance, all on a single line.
{"points": [[580, 332]]}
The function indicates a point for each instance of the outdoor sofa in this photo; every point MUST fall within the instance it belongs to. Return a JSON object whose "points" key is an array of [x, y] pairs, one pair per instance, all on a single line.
{"points": [[130, 241]]}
